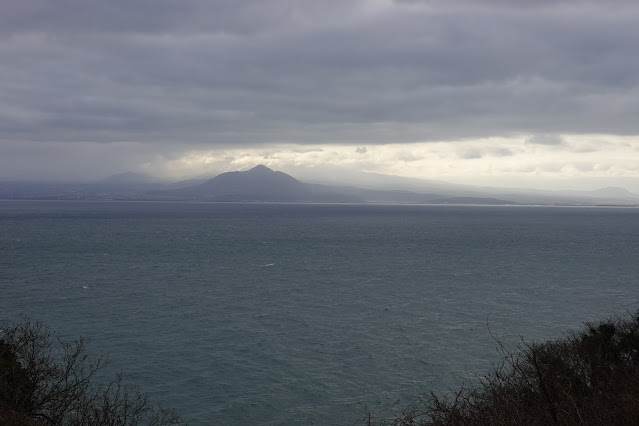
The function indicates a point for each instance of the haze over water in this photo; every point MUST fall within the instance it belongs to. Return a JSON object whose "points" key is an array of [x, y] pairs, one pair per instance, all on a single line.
{"points": [[309, 314]]}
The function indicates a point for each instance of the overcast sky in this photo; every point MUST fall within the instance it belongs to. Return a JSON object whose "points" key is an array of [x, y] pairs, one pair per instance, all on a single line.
{"points": [[480, 91]]}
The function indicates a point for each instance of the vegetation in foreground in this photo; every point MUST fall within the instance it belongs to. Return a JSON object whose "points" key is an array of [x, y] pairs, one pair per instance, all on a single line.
{"points": [[589, 377], [46, 381]]}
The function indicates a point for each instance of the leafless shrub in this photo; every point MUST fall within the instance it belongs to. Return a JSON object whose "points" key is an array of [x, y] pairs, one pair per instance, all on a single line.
{"points": [[590, 377], [51, 382]]}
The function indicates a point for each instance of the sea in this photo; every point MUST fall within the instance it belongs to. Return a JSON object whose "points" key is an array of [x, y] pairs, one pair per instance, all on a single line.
{"points": [[310, 314]]}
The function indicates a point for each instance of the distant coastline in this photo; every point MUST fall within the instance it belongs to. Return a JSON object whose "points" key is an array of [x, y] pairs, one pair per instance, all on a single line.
{"points": [[261, 184]]}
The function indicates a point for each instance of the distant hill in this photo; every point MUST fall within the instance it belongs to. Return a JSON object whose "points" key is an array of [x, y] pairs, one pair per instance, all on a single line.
{"points": [[128, 178], [259, 184], [613, 191], [263, 184]]}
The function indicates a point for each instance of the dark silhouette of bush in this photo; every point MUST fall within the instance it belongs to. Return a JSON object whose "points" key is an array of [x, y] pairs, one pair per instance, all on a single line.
{"points": [[589, 377], [47, 381]]}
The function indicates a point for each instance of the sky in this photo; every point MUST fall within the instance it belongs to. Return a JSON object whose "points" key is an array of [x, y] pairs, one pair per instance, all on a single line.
{"points": [[536, 93]]}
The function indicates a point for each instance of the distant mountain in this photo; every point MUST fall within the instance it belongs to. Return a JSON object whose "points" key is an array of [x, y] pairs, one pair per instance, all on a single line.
{"points": [[126, 185], [259, 184], [614, 191], [263, 184], [466, 194], [184, 183], [374, 181], [128, 178]]}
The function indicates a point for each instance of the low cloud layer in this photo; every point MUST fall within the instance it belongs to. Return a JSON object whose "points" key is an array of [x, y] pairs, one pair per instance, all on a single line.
{"points": [[134, 81]]}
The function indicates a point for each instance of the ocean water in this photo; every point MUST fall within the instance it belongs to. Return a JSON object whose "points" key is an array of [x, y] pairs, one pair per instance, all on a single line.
{"points": [[309, 314]]}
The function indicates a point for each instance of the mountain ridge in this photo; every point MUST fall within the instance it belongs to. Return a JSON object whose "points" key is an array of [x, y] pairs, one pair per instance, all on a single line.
{"points": [[262, 184]]}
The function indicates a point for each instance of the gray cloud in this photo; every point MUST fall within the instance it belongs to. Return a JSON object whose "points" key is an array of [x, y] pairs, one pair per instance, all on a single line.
{"points": [[483, 152], [408, 157], [502, 152], [225, 73], [549, 140], [471, 154]]}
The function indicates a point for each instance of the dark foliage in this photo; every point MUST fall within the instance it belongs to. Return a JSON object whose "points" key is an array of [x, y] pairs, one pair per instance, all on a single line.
{"points": [[589, 377], [46, 381]]}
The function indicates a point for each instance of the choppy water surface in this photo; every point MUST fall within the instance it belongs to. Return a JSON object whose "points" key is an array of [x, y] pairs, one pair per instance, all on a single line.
{"points": [[307, 314]]}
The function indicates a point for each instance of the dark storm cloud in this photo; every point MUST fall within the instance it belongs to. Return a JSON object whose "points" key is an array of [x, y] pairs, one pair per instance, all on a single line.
{"points": [[224, 73], [72, 17]]}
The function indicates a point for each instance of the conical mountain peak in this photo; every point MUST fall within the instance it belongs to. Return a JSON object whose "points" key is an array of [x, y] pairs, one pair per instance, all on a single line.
{"points": [[261, 168], [262, 184]]}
